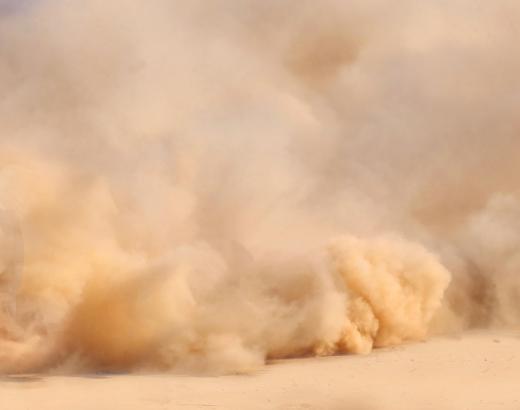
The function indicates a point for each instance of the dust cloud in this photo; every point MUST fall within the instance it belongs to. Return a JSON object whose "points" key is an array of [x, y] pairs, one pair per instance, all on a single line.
{"points": [[203, 186]]}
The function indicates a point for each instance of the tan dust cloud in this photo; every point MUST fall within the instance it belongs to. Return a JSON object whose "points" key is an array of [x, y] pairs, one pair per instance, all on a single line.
{"points": [[203, 186]]}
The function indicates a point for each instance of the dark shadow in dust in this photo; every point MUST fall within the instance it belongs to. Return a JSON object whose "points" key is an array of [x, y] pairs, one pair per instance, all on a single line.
{"points": [[21, 379]]}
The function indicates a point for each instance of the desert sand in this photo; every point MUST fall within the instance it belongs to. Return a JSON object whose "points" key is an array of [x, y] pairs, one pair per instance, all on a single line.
{"points": [[472, 371]]}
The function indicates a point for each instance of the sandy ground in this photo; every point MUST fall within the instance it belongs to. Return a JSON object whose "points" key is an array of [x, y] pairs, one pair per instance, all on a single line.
{"points": [[476, 371]]}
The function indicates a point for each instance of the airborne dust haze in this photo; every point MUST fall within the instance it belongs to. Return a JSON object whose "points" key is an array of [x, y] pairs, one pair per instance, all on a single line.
{"points": [[205, 185]]}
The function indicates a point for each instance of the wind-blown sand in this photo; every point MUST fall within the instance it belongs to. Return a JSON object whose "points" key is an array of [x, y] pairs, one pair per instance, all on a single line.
{"points": [[194, 187], [473, 371]]}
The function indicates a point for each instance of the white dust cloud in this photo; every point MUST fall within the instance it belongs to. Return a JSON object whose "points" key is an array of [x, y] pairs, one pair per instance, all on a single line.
{"points": [[203, 186]]}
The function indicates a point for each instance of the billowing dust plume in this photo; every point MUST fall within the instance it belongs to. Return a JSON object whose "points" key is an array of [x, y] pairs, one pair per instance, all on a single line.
{"points": [[206, 185]]}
